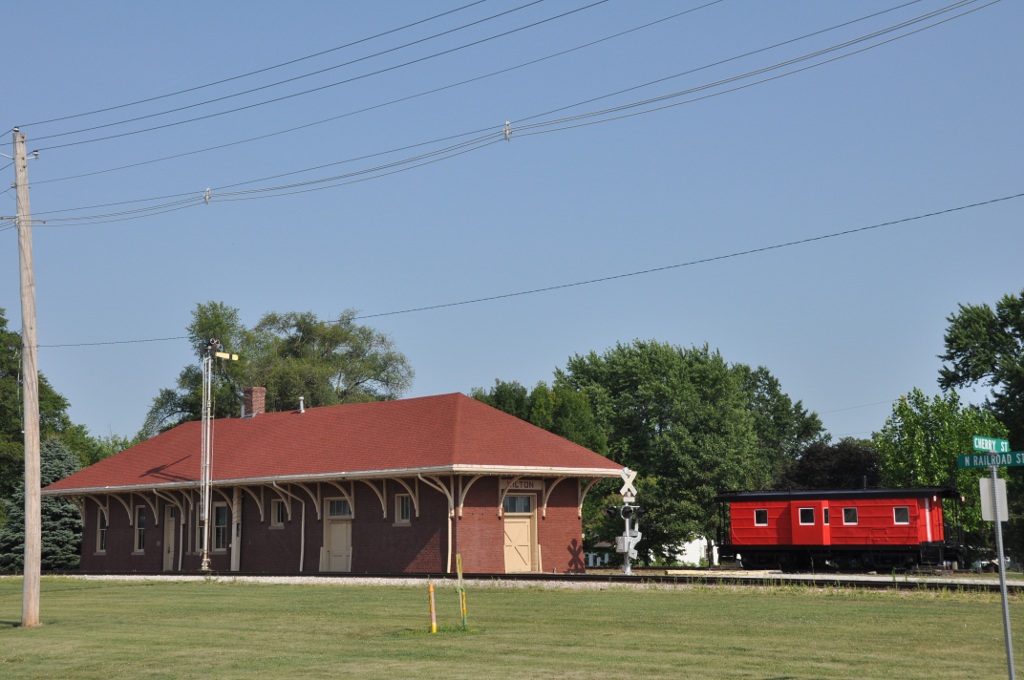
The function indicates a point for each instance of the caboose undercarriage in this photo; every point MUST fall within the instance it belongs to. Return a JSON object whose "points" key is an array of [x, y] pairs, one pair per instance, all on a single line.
{"points": [[843, 558]]}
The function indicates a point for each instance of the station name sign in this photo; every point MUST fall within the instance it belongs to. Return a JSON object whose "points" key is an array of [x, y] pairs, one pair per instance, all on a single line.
{"points": [[522, 485]]}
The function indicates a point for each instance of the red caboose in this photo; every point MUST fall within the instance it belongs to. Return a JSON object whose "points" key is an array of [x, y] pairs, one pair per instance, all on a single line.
{"points": [[848, 528]]}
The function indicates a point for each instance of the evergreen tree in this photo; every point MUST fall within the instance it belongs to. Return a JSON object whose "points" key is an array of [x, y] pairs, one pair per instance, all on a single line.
{"points": [[61, 522]]}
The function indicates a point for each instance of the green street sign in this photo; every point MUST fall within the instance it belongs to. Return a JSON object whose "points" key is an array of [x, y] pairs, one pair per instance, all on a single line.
{"points": [[991, 444], [981, 460]]}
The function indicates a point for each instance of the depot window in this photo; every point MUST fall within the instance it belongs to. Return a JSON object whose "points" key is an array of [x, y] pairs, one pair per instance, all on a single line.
{"points": [[140, 529], [278, 514], [220, 526], [403, 508], [101, 531], [806, 516], [901, 515], [849, 515], [518, 504], [339, 508], [760, 518]]}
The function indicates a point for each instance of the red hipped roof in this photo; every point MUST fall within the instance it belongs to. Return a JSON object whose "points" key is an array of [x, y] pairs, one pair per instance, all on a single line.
{"points": [[450, 433]]}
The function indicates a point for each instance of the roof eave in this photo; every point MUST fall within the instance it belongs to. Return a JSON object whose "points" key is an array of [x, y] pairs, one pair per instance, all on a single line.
{"points": [[486, 470]]}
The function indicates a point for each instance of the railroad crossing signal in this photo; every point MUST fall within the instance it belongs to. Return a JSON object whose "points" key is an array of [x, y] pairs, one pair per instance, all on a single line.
{"points": [[628, 491]]}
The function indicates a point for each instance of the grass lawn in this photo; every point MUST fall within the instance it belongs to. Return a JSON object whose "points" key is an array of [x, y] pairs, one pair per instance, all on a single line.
{"points": [[133, 629]]}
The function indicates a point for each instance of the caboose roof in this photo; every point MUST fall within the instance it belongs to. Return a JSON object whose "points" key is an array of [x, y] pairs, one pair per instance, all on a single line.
{"points": [[446, 434], [830, 494]]}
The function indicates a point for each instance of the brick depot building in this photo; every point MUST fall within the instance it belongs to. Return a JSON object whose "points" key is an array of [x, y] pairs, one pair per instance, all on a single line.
{"points": [[384, 487]]}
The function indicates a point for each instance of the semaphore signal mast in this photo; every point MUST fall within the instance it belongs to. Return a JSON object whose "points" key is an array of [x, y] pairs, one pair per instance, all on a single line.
{"points": [[210, 349]]}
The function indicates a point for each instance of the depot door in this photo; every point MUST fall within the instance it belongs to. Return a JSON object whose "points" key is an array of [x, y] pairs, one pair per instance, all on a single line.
{"points": [[339, 546], [338, 534], [520, 536], [170, 529]]}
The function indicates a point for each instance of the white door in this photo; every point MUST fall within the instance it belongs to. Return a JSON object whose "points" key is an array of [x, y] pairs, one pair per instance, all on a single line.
{"points": [[170, 529], [339, 545]]}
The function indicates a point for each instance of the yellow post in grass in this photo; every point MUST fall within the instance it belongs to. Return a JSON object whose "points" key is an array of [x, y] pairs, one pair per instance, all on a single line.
{"points": [[462, 590], [433, 612]]}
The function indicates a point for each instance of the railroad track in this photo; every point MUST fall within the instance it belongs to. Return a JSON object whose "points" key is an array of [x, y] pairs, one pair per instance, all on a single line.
{"points": [[658, 577]]}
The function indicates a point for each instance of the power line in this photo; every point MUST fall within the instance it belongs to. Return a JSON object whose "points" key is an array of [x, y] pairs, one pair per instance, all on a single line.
{"points": [[691, 263], [426, 93], [760, 71], [603, 115], [722, 61], [615, 277], [295, 94], [256, 72], [853, 408], [326, 183]]}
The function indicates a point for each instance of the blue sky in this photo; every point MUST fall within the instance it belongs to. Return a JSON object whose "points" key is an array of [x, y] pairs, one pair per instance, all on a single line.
{"points": [[749, 159]]}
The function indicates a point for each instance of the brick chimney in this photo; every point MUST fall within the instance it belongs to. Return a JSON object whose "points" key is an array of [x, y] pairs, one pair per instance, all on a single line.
{"points": [[254, 401]]}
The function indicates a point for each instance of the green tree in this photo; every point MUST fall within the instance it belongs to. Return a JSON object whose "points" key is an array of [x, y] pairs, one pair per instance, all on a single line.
{"points": [[985, 346], [510, 397], [293, 355], [680, 418], [784, 428], [327, 362], [61, 523], [173, 406], [850, 464], [560, 409], [919, 445], [53, 413], [689, 423]]}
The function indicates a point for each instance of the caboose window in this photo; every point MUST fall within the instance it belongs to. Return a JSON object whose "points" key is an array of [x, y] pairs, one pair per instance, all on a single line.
{"points": [[849, 515], [901, 515], [760, 518], [825, 519], [806, 516]]}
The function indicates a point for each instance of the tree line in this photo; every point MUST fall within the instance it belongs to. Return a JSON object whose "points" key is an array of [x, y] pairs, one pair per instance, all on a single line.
{"points": [[689, 422]]}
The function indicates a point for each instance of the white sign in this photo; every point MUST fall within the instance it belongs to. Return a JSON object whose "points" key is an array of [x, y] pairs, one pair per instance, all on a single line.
{"points": [[985, 485], [628, 489], [522, 485]]}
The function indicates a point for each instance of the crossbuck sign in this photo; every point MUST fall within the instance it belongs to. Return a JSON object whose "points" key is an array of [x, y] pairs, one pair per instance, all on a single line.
{"points": [[628, 491]]}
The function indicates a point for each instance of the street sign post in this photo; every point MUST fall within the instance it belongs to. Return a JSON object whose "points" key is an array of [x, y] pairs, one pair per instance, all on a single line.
{"points": [[995, 453]]}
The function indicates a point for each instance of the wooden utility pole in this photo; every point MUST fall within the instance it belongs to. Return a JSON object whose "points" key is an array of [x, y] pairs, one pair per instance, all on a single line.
{"points": [[30, 384]]}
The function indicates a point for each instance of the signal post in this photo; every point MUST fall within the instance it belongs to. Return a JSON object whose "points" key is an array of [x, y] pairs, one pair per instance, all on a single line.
{"points": [[626, 543]]}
